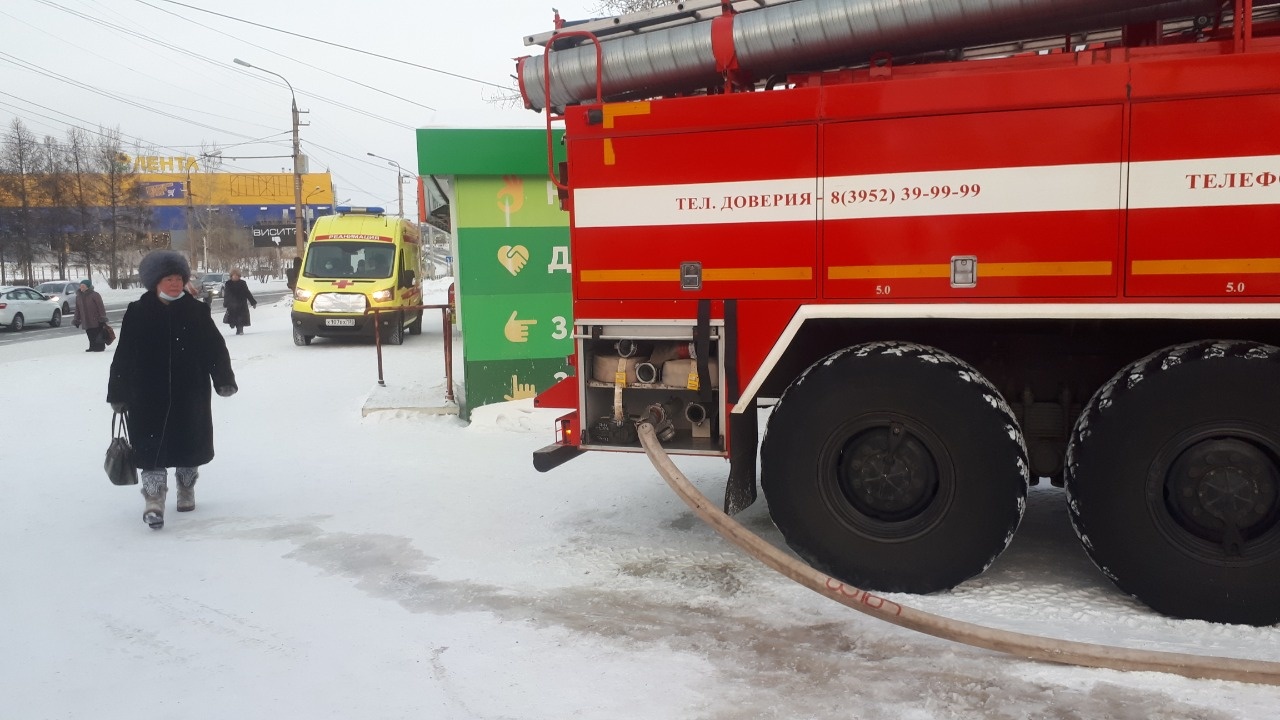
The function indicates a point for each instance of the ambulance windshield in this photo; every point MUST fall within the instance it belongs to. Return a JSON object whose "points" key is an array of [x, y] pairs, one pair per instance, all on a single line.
{"points": [[349, 260]]}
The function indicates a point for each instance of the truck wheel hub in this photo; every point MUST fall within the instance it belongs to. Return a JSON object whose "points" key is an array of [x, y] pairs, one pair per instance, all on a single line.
{"points": [[1221, 487], [888, 474]]}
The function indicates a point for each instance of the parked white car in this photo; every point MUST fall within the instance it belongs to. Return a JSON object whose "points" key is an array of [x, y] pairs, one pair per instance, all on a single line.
{"points": [[62, 292], [20, 306]]}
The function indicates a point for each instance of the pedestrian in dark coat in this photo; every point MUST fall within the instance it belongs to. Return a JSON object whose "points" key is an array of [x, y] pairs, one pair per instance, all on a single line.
{"points": [[91, 314], [236, 298], [169, 351]]}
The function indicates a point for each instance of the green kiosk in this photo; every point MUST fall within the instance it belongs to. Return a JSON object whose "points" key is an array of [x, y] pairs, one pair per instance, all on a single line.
{"points": [[511, 259]]}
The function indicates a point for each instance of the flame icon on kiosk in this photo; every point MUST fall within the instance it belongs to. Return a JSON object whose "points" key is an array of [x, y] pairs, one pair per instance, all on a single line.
{"points": [[511, 196], [513, 258]]}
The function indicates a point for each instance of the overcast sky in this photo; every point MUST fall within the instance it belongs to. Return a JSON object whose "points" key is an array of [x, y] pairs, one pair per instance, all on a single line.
{"points": [[162, 72]]}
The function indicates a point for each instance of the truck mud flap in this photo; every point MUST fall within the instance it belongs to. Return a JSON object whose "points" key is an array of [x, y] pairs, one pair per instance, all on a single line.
{"points": [[744, 437], [553, 456], [744, 431]]}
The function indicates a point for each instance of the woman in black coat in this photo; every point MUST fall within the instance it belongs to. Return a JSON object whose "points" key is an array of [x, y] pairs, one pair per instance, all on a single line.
{"points": [[236, 298], [169, 349]]}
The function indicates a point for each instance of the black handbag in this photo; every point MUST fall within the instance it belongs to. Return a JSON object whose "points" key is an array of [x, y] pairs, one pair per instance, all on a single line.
{"points": [[120, 466]]}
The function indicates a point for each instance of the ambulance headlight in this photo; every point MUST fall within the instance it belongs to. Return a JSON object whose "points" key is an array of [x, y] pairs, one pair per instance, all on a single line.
{"points": [[300, 294], [384, 295]]}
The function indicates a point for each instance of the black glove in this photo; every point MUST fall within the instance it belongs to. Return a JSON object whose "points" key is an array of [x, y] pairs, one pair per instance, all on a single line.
{"points": [[227, 390], [255, 305], [119, 407]]}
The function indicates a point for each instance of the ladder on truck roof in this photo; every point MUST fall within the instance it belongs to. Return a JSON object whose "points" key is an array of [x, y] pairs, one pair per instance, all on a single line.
{"points": [[665, 16]]}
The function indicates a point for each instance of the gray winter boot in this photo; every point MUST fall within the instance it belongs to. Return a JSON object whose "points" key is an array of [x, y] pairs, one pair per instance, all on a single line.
{"points": [[155, 487], [187, 488]]}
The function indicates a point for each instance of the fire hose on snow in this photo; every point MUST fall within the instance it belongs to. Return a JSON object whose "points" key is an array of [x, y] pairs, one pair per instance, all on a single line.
{"points": [[1033, 647]]}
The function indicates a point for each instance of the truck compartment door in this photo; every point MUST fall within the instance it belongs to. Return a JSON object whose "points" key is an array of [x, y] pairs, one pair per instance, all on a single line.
{"points": [[696, 215], [1204, 198], [979, 205]]}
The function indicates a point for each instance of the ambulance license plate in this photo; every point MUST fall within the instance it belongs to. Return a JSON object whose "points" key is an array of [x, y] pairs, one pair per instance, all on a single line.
{"points": [[340, 322]]}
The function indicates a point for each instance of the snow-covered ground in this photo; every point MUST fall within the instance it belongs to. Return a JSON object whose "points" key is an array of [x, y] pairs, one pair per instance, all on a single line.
{"points": [[413, 566]]}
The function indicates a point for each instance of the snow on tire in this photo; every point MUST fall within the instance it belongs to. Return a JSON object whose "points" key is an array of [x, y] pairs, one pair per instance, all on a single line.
{"points": [[895, 467], [1173, 481]]}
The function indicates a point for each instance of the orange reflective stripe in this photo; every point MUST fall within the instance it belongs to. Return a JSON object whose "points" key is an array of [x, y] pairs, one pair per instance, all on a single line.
{"points": [[730, 274], [988, 270], [618, 110], [1043, 269], [882, 272], [1235, 266], [708, 275], [630, 276]]}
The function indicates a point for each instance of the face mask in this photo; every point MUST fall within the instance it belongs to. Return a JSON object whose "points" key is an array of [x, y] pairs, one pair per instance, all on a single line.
{"points": [[170, 298]]}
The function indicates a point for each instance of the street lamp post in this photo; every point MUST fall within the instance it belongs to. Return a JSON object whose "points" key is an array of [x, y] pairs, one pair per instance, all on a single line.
{"points": [[298, 229], [191, 245], [400, 175], [307, 206], [190, 193]]}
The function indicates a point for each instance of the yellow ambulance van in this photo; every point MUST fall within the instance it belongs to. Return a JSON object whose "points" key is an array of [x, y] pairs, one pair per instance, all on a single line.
{"points": [[356, 260]]}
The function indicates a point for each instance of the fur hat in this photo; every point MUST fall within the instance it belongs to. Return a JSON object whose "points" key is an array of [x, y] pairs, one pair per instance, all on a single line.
{"points": [[160, 264]]}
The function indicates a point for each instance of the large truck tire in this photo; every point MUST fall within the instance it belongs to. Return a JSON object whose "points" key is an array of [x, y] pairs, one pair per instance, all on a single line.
{"points": [[1173, 481], [895, 467]]}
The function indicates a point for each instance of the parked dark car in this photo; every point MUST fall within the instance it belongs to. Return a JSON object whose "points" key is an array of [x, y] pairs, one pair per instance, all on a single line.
{"points": [[211, 285]]}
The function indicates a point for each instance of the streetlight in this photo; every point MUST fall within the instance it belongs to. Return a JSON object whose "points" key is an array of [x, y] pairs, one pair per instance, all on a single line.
{"points": [[298, 229], [400, 175], [190, 193], [307, 203]]}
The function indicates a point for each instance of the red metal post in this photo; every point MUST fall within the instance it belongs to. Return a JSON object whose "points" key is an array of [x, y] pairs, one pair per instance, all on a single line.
{"points": [[1243, 25], [546, 84], [448, 352], [377, 343], [446, 312]]}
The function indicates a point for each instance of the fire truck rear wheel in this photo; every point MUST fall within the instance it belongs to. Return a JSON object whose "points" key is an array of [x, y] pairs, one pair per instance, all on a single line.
{"points": [[895, 467], [1173, 476]]}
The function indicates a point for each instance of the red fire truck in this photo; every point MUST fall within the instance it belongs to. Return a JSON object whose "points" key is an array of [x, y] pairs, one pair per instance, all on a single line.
{"points": [[951, 259]]}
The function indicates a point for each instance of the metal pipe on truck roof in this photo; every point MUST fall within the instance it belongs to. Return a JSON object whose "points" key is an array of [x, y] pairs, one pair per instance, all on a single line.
{"points": [[818, 34]]}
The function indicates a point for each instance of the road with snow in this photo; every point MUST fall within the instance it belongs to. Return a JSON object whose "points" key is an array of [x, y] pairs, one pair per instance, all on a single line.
{"points": [[403, 565]]}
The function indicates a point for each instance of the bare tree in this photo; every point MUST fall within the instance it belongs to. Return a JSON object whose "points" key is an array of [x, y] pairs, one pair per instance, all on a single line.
{"points": [[210, 157], [55, 218], [228, 241], [85, 238], [125, 212], [211, 231], [20, 164]]}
